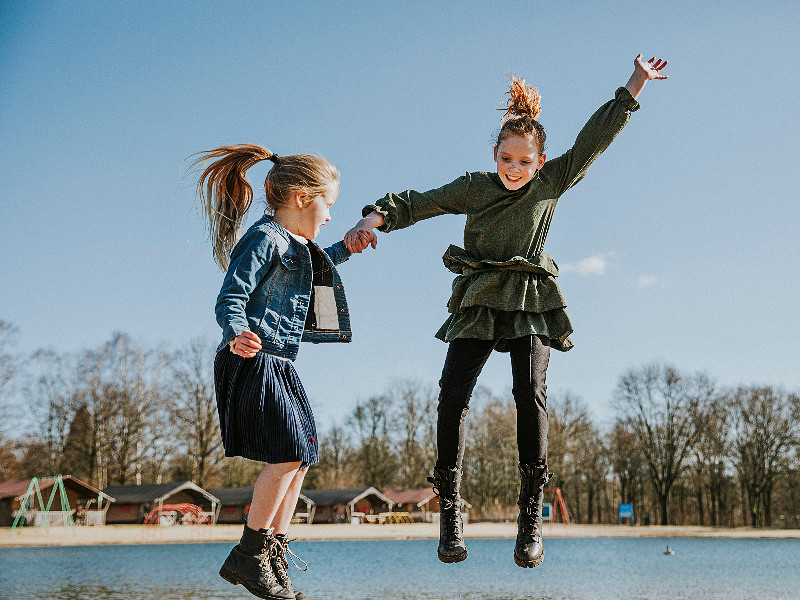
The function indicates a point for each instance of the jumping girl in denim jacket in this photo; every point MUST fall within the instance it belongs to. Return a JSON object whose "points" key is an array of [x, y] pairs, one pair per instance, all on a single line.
{"points": [[279, 289], [505, 296]]}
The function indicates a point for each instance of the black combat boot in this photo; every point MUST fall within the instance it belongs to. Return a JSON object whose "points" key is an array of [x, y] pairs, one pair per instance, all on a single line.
{"points": [[250, 563], [529, 551], [280, 564], [446, 485]]}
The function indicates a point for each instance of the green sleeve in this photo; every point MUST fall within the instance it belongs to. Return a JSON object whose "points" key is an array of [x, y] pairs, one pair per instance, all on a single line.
{"points": [[598, 133], [405, 209]]}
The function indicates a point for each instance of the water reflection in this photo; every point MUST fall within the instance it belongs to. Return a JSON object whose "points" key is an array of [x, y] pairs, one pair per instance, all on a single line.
{"points": [[574, 569]]}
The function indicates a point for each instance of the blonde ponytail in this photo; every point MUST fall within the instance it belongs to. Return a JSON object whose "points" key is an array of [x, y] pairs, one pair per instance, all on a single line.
{"points": [[225, 195]]}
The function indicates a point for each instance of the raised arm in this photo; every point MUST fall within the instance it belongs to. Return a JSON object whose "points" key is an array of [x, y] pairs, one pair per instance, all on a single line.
{"points": [[601, 129]]}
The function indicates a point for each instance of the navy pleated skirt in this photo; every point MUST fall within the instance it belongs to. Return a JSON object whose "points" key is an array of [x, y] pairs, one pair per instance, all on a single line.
{"points": [[264, 413]]}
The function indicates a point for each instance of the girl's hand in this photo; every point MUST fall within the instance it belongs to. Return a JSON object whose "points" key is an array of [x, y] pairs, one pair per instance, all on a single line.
{"points": [[644, 72], [650, 69], [359, 237], [246, 344]]}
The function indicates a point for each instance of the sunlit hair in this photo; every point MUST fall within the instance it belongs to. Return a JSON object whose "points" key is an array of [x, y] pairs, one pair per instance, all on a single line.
{"points": [[522, 108], [225, 195]]}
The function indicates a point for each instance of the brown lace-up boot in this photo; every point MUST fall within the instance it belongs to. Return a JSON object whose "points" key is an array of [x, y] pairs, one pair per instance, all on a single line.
{"points": [[250, 564], [280, 564], [529, 551], [446, 485]]}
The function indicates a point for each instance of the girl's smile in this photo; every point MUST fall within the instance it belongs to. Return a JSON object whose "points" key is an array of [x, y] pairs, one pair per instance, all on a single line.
{"points": [[518, 160]]}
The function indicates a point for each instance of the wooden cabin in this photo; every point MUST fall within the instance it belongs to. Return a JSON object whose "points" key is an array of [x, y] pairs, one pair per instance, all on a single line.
{"points": [[235, 504], [134, 502], [420, 503], [347, 505], [86, 504]]}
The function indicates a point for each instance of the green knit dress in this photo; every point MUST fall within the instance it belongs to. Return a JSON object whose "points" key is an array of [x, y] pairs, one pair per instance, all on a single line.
{"points": [[506, 285]]}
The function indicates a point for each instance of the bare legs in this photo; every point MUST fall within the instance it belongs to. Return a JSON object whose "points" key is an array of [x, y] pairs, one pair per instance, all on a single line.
{"points": [[275, 496]]}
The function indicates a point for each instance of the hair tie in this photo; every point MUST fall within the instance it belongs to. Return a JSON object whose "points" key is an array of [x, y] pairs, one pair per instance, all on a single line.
{"points": [[274, 158]]}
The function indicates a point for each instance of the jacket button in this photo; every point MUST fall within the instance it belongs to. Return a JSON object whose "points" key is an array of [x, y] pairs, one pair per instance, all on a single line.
{"points": [[338, 287], [341, 310]]}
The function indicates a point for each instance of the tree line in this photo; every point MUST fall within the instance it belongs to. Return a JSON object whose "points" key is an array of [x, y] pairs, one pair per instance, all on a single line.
{"points": [[679, 448]]}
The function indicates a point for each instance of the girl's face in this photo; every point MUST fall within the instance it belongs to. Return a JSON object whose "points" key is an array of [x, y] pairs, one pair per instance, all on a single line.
{"points": [[517, 158], [317, 212]]}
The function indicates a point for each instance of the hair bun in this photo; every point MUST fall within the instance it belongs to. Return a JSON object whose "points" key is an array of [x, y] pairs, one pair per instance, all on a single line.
{"points": [[523, 100]]}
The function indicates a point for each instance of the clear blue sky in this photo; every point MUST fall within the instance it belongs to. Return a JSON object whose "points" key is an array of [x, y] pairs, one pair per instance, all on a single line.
{"points": [[680, 245]]}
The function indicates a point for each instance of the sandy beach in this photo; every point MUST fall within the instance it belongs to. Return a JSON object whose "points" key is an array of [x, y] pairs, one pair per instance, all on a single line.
{"points": [[137, 534]]}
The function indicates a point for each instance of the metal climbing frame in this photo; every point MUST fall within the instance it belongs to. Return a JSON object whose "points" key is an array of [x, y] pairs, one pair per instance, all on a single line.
{"points": [[58, 486]]}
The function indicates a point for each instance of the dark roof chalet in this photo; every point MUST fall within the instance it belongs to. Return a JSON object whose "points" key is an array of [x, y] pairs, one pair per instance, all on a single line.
{"points": [[239, 496], [343, 497], [16, 488], [153, 493], [417, 496]]}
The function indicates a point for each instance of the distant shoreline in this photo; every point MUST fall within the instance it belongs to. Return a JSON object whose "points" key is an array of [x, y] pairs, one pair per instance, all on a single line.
{"points": [[138, 534]]}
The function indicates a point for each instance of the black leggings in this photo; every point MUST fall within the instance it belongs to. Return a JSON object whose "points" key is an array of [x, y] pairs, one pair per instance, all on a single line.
{"points": [[465, 359]]}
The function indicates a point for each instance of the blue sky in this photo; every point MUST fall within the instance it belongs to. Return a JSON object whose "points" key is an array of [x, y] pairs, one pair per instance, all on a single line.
{"points": [[680, 245]]}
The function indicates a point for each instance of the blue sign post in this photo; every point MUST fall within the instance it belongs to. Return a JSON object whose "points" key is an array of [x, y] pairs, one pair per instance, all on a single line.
{"points": [[625, 512]]}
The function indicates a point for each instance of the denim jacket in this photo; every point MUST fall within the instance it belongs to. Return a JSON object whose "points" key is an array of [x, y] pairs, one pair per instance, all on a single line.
{"points": [[267, 290]]}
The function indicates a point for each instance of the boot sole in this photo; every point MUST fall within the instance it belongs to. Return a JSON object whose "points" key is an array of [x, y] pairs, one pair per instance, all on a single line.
{"points": [[528, 564], [231, 577], [453, 559]]}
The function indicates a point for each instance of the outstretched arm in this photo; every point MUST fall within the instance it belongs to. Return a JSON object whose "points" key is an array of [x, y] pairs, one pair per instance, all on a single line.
{"points": [[644, 72]]}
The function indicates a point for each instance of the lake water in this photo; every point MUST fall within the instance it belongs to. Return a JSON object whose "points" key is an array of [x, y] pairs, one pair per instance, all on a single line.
{"points": [[574, 569]]}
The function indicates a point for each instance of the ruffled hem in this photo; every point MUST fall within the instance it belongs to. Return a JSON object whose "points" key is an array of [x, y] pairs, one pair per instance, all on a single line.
{"points": [[518, 284], [485, 323], [506, 291]]}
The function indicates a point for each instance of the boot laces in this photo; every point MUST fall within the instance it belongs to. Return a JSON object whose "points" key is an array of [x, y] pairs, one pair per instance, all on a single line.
{"points": [[269, 552], [292, 556]]}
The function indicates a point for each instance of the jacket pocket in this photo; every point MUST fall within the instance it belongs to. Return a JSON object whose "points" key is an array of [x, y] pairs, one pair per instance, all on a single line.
{"points": [[290, 261]]}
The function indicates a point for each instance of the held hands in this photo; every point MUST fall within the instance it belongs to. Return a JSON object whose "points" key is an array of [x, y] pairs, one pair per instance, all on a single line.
{"points": [[246, 344], [644, 72], [359, 237]]}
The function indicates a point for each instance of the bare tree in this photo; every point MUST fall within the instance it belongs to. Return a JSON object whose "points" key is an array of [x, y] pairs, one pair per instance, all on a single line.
{"points": [[9, 463], [8, 362], [629, 465], [659, 406], [711, 451], [491, 472], [765, 423], [49, 391], [194, 408], [122, 393], [336, 458], [576, 455], [413, 419], [375, 456]]}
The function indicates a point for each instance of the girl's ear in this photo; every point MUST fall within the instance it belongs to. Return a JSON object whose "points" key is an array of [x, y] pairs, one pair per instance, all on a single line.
{"points": [[301, 198], [495, 154], [542, 158]]}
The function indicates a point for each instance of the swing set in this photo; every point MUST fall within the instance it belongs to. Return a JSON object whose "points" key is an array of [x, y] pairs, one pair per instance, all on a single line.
{"points": [[34, 493]]}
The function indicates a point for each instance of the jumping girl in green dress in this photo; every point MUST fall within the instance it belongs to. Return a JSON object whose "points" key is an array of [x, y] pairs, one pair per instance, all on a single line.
{"points": [[505, 296]]}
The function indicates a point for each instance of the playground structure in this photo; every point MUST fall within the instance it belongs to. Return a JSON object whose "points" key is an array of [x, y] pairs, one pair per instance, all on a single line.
{"points": [[70, 502], [174, 514], [558, 505]]}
